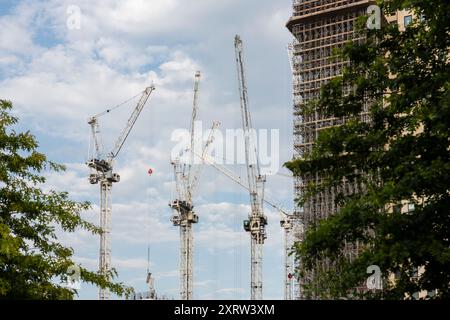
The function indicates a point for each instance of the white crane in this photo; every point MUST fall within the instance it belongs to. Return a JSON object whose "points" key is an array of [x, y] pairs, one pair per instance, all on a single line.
{"points": [[256, 224], [285, 222], [186, 180], [102, 172]]}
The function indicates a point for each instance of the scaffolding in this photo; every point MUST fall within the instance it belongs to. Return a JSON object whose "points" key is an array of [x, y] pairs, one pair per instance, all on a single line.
{"points": [[319, 27]]}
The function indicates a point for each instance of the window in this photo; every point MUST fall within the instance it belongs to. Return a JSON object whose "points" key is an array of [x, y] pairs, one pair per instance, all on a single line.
{"points": [[398, 208], [407, 20], [411, 207]]}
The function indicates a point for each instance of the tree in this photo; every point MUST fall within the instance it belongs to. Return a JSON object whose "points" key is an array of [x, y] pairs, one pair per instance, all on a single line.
{"points": [[400, 156], [31, 259]]}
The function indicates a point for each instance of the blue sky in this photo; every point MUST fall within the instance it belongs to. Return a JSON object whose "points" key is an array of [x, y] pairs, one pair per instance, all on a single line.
{"points": [[58, 77]]}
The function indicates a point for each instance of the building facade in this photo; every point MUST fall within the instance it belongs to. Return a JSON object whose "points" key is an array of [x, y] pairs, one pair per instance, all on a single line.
{"points": [[319, 28]]}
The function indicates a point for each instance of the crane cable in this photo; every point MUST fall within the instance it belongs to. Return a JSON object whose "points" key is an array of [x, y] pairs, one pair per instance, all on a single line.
{"points": [[118, 106]]}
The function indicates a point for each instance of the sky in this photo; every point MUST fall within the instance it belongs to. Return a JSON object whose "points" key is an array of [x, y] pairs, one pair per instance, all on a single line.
{"points": [[58, 74]]}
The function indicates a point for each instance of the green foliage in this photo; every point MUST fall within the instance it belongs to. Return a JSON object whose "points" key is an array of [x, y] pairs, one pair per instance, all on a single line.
{"points": [[32, 262], [402, 155]]}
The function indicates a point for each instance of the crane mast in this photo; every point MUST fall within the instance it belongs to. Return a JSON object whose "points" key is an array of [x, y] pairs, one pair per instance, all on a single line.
{"points": [[184, 217], [256, 224], [186, 179], [102, 173]]}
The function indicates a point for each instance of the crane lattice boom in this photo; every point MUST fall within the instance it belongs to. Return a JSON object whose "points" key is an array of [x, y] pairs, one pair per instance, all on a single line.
{"points": [[130, 124]]}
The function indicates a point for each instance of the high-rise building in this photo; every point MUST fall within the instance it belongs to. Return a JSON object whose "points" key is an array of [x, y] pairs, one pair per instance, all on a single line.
{"points": [[319, 27]]}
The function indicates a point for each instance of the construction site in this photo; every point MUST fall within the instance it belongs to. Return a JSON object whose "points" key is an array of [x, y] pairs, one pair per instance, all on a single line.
{"points": [[187, 169], [194, 165], [318, 29]]}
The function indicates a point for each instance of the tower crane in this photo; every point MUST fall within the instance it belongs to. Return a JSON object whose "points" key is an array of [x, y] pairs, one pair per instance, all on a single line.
{"points": [[256, 224], [296, 225], [102, 172], [186, 180], [286, 223]]}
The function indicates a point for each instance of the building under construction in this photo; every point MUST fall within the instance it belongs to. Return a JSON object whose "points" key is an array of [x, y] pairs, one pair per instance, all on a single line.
{"points": [[319, 27]]}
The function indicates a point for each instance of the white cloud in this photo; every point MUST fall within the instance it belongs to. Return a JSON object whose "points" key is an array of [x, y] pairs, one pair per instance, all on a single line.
{"points": [[230, 290], [19, 36], [167, 274], [73, 179], [222, 212], [204, 283], [119, 263], [134, 263]]}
